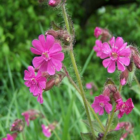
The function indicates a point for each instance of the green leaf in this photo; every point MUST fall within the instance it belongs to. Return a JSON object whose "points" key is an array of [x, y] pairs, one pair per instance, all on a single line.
{"points": [[95, 125], [87, 136], [114, 135]]}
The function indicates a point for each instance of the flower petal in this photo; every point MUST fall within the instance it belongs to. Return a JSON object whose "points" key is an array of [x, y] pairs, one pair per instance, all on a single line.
{"points": [[106, 62], [58, 56], [55, 48], [49, 41], [111, 67], [37, 61], [57, 64], [124, 60], [119, 42], [112, 41], [108, 107], [120, 66], [36, 43], [50, 68], [35, 51]]}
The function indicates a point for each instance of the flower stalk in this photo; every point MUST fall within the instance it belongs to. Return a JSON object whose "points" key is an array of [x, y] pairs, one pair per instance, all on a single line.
{"points": [[77, 72]]}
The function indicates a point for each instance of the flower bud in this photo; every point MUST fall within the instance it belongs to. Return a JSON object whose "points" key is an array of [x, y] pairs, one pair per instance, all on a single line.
{"points": [[52, 32], [59, 78], [18, 125], [49, 84], [135, 56], [124, 77], [130, 66], [54, 3], [104, 33], [116, 96]]}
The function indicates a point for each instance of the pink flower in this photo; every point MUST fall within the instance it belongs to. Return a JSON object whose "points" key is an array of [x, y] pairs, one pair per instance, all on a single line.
{"points": [[124, 107], [46, 130], [31, 115], [89, 85], [98, 48], [97, 32], [9, 137], [100, 103], [36, 82], [50, 54], [118, 54]]}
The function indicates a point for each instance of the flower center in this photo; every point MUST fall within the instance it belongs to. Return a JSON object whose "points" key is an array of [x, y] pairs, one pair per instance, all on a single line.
{"points": [[33, 81], [114, 55], [101, 104], [46, 56]]}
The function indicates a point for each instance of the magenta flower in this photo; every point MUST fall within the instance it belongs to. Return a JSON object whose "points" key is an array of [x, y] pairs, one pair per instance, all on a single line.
{"points": [[36, 82], [100, 103], [120, 125], [118, 54], [9, 137], [98, 48], [50, 58], [46, 130], [124, 107], [97, 32]]}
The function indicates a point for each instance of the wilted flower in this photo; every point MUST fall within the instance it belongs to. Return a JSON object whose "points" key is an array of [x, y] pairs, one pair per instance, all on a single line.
{"points": [[36, 82], [100, 103], [18, 125], [124, 77], [51, 55], [31, 115], [124, 107]]}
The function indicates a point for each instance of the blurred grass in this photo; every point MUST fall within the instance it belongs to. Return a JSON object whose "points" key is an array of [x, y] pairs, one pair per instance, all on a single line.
{"points": [[62, 104]]}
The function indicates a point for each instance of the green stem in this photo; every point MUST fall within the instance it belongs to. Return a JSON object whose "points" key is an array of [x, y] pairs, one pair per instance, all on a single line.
{"points": [[120, 88], [91, 109], [109, 122], [77, 73], [136, 80]]}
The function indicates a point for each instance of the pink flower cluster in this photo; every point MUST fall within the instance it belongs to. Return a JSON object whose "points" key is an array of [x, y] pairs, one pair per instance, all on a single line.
{"points": [[49, 61], [116, 52]]}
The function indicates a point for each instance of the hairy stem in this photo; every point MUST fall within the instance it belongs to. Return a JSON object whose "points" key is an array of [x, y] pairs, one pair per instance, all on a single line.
{"points": [[77, 72]]}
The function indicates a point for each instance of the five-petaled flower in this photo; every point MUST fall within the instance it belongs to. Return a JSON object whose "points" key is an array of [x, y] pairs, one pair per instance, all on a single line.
{"points": [[124, 107], [50, 58], [36, 82], [100, 103], [114, 53]]}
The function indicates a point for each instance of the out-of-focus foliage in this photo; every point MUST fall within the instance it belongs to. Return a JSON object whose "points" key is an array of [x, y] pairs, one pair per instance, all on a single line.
{"points": [[21, 22]]}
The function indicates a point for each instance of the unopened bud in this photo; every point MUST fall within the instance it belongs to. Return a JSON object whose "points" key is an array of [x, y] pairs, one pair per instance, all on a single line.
{"points": [[52, 32], [54, 3], [59, 78], [130, 66], [104, 33], [117, 96], [18, 125], [124, 77], [135, 56], [49, 84]]}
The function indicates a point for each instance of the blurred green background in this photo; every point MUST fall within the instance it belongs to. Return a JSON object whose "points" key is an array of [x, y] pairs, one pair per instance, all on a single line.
{"points": [[23, 21]]}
